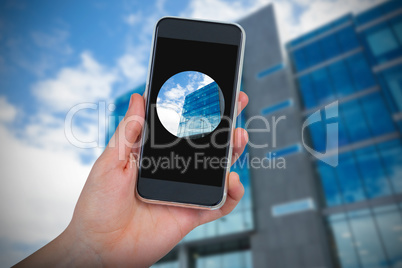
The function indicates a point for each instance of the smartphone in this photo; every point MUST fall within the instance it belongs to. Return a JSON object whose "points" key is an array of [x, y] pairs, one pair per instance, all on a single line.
{"points": [[191, 98]]}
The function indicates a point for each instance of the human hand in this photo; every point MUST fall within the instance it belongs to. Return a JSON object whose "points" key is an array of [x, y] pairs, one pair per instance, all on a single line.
{"points": [[110, 226]]}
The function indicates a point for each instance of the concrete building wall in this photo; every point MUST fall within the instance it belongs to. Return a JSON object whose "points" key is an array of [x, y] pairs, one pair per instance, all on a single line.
{"points": [[294, 240]]}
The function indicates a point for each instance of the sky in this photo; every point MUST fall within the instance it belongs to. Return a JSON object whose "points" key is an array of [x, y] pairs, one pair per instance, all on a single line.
{"points": [[172, 94], [71, 59]]}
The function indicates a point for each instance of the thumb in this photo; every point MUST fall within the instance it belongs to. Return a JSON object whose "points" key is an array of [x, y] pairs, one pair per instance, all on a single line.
{"points": [[128, 131]]}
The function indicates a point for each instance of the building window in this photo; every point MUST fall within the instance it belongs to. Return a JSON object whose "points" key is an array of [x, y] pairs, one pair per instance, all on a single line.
{"points": [[348, 39], [360, 71], [382, 41], [372, 172], [237, 259], [366, 238], [345, 246], [329, 182], [341, 78], [349, 179], [391, 81], [367, 173], [167, 264], [389, 223], [391, 155]]}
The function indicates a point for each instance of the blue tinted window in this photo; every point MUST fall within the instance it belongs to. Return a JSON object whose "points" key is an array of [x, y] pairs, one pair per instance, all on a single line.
{"points": [[306, 88], [317, 132], [361, 73], [367, 239], [382, 43], [237, 259], [330, 47], [392, 82], [378, 11], [321, 30], [328, 180], [348, 39], [299, 60], [322, 86], [369, 15], [349, 179], [341, 79], [389, 223], [198, 118], [377, 114], [343, 237], [313, 54], [342, 133], [397, 27], [391, 154], [354, 121], [375, 180]]}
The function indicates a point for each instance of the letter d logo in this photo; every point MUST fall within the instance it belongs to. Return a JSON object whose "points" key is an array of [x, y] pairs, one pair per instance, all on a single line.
{"points": [[331, 153]]}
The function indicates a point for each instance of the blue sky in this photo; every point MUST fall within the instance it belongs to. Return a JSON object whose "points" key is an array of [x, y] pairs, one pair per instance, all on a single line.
{"points": [[56, 55], [172, 94]]}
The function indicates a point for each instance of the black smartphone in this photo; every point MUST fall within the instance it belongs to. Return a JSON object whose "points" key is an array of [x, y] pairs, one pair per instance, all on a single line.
{"points": [[191, 98]]}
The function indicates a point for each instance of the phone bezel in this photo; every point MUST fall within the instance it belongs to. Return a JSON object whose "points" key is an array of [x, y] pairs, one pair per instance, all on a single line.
{"points": [[188, 194]]}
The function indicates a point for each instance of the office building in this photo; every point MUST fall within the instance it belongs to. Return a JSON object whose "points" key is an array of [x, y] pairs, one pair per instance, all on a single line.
{"points": [[202, 111], [357, 61], [316, 212]]}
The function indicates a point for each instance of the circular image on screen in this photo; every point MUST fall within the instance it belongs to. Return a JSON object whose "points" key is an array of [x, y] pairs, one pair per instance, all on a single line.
{"points": [[190, 105]]}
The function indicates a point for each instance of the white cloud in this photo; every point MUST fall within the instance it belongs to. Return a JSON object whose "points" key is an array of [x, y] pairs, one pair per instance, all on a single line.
{"points": [[88, 82], [206, 80], [169, 118], [39, 189], [133, 69], [132, 19], [216, 9], [41, 178], [175, 93], [7, 111], [314, 13], [53, 42], [42, 173], [173, 99], [319, 12]]}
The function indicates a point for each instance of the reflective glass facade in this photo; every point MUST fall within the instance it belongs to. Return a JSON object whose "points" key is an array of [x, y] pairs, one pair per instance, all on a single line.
{"points": [[201, 112], [167, 264], [236, 259], [357, 61]]}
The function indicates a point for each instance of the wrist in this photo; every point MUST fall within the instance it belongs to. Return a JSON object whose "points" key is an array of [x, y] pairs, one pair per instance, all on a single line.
{"points": [[78, 253], [67, 250]]}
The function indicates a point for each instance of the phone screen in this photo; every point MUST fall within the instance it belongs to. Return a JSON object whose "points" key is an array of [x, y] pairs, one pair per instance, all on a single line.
{"points": [[190, 100]]}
